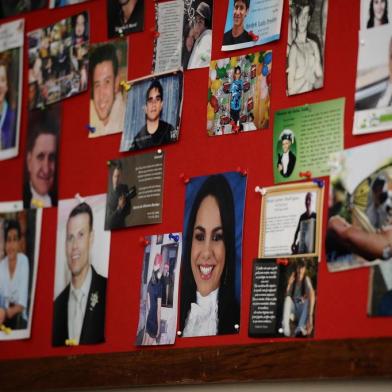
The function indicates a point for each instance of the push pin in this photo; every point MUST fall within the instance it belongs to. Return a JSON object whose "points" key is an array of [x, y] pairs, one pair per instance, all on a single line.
{"points": [[284, 262], [260, 190], [79, 198], [174, 237], [236, 327], [5, 329], [154, 33], [37, 203], [179, 333], [120, 32], [159, 151], [242, 171], [185, 179], [144, 241], [235, 127], [71, 342], [319, 182], [306, 174], [90, 128], [125, 85], [254, 36]]}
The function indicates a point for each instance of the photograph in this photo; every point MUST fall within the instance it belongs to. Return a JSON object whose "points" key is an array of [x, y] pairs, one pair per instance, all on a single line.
{"points": [[305, 45], [16, 7], [159, 290], [239, 94], [305, 137], [135, 191], [58, 60], [63, 3], [251, 22], [197, 34], [11, 80], [283, 297], [211, 263], [360, 207], [373, 91], [380, 290], [82, 265], [41, 162], [124, 17], [375, 13], [20, 232], [108, 67], [291, 220], [153, 111]]}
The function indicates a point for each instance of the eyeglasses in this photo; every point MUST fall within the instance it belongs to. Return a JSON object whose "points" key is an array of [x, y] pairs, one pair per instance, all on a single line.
{"points": [[156, 99]]}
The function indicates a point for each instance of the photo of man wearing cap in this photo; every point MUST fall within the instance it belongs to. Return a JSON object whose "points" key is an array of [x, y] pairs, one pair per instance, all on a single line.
{"points": [[286, 160], [197, 36]]}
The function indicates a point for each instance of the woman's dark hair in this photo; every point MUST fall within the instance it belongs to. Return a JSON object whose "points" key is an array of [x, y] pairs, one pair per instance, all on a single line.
{"points": [[228, 307], [384, 19], [300, 4], [11, 224]]}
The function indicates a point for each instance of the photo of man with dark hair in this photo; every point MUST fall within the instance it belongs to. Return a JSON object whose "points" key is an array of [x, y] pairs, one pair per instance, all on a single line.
{"points": [[125, 16], [238, 34]]}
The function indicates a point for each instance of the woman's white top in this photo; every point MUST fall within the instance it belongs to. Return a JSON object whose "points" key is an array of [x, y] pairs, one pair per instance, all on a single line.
{"points": [[202, 319]]}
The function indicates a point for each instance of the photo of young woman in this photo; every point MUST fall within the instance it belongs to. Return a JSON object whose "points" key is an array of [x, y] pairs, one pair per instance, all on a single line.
{"points": [[211, 263]]}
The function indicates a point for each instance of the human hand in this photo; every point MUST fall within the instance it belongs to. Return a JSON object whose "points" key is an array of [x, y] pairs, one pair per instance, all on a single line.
{"points": [[338, 224], [280, 167], [121, 202]]}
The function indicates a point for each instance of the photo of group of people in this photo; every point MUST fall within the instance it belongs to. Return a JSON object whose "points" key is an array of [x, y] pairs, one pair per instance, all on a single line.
{"points": [[305, 45], [159, 290], [58, 60], [11, 68], [108, 66], [239, 94], [20, 232], [82, 264], [153, 111]]}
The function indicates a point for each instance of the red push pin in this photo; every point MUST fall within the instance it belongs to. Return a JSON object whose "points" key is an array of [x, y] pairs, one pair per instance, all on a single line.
{"points": [[235, 127], [284, 262], [242, 171], [144, 241], [184, 178], [155, 33], [254, 36], [306, 174]]}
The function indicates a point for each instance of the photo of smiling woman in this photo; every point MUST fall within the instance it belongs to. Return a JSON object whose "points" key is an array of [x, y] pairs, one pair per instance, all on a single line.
{"points": [[378, 13], [211, 262]]}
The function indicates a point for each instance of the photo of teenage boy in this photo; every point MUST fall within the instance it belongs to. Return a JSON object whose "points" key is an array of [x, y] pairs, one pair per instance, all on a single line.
{"points": [[238, 34], [286, 159], [125, 16], [155, 131], [40, 179], [79, 310], [107, 106]]}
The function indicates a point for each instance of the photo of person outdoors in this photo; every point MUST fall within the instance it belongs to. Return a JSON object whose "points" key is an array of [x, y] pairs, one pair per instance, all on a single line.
{"points": [[118, 199], [58, 60], [305, 66], [41, 164], [11, 71], [211, 260], [15, 7], [237, 34], [160, 98], [378, 13], [299, 298], [20, 231], [82, 258], [159, 290], [196, 52], [107, 67], [286, 157], [125, 17]]}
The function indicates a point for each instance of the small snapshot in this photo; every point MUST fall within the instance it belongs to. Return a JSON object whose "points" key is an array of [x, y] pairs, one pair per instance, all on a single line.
{"points": [[159, 290], [375, 13], [125, 17], [239, 94]]}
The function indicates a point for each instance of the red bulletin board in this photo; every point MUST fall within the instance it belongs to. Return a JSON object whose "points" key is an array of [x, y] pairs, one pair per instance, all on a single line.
{"points": [[341, 297]]}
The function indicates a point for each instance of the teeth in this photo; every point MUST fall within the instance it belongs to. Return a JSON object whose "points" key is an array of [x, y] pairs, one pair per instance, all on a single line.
{"points": [[205, 270], [75, 257]]}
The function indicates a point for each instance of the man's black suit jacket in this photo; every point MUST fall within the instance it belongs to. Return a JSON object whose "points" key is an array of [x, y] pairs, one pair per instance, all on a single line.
{"points": [[290, 166], [93, 329]]}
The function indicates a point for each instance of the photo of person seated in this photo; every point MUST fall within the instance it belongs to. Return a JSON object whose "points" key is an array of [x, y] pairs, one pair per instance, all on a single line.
{"points": [[14, 279], [125, 16], [40, 185], [238, 34], [107, 106], [305, 234], [298, 307], [286, 159], [79, 310], [156, 131], [118, 199]]}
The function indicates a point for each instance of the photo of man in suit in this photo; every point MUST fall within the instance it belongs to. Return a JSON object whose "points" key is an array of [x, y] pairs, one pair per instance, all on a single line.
{"points": [[286, 160], [79, 310]]}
